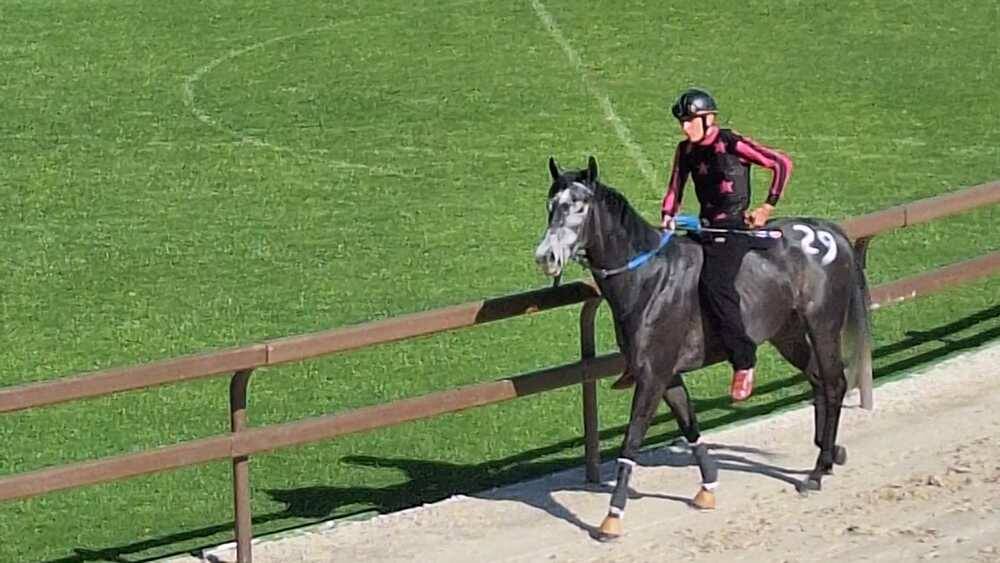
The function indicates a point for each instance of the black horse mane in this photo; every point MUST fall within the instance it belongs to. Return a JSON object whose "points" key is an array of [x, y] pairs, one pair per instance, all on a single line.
{"points": [[637, 229]]}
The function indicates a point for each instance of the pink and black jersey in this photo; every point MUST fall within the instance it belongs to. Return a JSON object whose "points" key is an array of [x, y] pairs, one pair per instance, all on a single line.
{"points": [[720, 168]]}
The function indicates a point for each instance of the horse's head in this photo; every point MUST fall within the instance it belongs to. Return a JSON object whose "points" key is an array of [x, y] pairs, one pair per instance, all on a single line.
{"points": [[570, 200]]}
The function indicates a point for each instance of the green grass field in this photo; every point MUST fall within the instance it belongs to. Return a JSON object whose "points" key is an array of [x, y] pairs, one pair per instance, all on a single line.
{"points": [[186, 176]]}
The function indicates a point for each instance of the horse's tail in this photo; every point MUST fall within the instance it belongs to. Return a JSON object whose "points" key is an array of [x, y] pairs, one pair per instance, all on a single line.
{"points": [[857, 334]]}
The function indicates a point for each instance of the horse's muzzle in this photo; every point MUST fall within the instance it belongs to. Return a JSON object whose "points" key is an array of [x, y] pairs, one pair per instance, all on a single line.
{"points": [[550, 261]]}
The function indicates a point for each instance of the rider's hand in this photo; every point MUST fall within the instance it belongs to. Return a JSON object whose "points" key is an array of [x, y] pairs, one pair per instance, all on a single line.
{"points": [[758, 217], [668, 223]]}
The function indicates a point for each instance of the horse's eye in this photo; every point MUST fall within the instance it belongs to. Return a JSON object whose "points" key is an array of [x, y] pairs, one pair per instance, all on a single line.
{"points": [[577, 207]]}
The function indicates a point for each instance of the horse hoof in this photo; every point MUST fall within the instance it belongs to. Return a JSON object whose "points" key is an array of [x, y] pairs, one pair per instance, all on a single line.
{"points": [[611, 529], [624, 381], [704, 500], [840, 455], [606, 538], [810, 485]]}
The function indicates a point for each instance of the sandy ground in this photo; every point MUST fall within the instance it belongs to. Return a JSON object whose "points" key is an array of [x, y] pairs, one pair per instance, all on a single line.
{"points": [[922, 482]]}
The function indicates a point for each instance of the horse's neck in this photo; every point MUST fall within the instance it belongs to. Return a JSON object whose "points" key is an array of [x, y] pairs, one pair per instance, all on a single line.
{"points": [[622, 235]]}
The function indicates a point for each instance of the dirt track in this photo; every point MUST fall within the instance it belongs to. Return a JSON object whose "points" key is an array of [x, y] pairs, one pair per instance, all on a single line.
{"points": [[922, 482]]}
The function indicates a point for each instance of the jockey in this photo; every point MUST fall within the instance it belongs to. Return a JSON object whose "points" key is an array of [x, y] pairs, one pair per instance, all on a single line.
{"points": [[719, 162]]}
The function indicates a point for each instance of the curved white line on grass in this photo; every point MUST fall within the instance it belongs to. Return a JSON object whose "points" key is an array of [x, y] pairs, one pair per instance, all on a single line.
{"points": [[189, 82], [204, 117], [605, 102]]}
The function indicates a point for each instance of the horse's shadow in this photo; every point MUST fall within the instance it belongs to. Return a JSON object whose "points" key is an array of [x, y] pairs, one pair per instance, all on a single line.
{"points": [[540, 494], [435, 480]]}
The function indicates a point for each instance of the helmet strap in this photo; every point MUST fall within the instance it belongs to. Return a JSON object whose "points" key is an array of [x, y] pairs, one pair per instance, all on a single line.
{"points": [[704, 127]]}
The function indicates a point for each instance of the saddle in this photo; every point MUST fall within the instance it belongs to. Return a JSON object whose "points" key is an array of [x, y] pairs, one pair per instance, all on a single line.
{"points": [[752, 241]]}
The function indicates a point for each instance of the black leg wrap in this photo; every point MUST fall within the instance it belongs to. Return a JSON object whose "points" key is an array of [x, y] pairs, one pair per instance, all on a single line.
{"points": [[620, 495], [826, 460], [709, 468], [839, 455], [692, 435]]}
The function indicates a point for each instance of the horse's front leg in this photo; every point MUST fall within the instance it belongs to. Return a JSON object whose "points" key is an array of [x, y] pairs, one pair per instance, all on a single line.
{"points": [[679, 401], [648, 391]]}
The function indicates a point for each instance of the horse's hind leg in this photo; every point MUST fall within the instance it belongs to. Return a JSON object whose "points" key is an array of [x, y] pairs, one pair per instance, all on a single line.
{"points": [[679, 401], [828, 390], [795, 347]]}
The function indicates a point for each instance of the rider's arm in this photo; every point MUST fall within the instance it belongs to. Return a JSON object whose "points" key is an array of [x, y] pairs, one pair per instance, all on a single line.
{"points": [[777, 162], [675, 188]]}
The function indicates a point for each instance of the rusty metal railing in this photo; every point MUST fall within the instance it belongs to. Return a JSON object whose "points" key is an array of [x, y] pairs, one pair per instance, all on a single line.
{"points": [[243, 441]]}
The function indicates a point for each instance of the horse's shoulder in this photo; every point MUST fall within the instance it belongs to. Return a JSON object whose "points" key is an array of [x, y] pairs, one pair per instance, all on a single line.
{"points": [[688, 246], [683, 255]]}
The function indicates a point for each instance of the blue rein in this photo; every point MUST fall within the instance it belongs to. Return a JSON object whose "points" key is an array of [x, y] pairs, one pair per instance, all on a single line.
{"points": [[685, 222]]}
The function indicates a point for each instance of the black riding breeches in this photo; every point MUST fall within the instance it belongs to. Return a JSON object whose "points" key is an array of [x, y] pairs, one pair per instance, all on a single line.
{"points": [[717, 286]]}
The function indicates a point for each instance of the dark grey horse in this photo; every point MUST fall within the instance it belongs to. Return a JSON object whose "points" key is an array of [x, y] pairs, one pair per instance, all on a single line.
{"points": [[806, 295]]}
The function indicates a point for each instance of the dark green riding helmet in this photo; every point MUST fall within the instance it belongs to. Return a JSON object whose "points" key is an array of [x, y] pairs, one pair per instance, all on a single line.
{"points": [[692, 103]]}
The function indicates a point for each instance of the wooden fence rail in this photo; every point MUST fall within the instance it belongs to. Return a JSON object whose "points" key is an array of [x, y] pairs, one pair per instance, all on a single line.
{"points": [[243, 442]]}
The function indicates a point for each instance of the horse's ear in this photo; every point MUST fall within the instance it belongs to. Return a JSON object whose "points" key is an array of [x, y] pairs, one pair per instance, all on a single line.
{"points": [[554, 169], [592, 169]]}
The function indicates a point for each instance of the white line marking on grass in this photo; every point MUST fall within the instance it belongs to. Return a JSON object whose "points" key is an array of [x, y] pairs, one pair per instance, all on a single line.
{"points": [[190, 100], [602, 98], [188, 90], [193, 78]]}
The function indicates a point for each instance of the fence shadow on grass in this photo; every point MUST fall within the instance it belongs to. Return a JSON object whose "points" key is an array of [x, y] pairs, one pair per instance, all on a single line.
{"points": [[432, 480]]}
